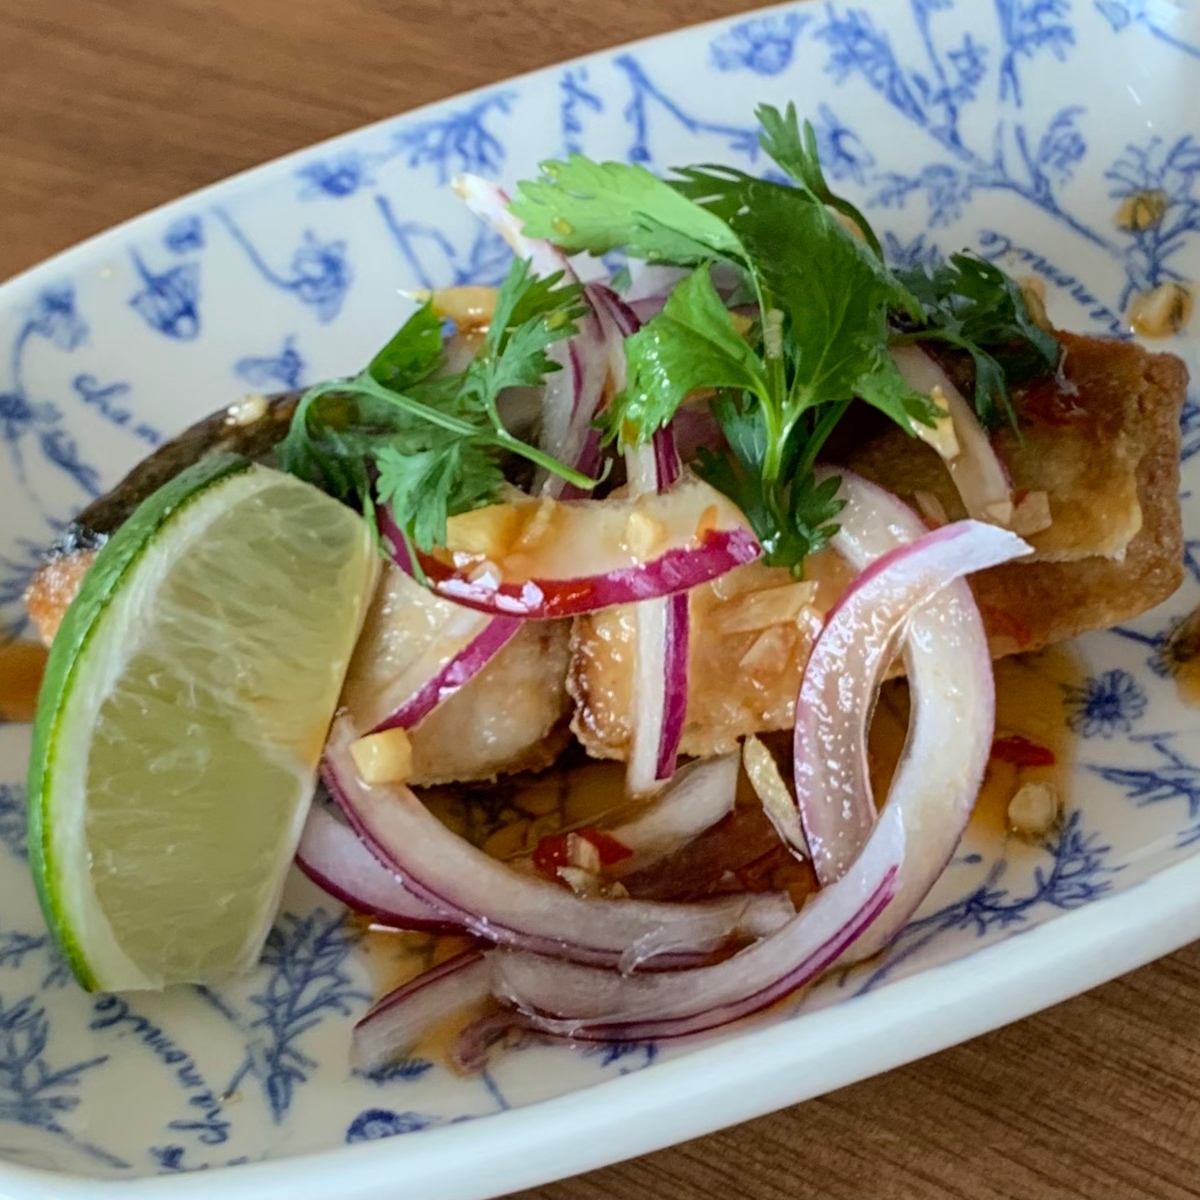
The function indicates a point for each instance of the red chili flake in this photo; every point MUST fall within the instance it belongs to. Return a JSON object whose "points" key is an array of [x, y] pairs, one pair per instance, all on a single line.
{"points": [[554, 851], [551, 853], [1022, 752], [610, 850]]}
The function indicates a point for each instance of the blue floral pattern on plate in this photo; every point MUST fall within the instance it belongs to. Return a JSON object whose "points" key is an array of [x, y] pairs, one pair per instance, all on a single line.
{"points": [[952, 123]]}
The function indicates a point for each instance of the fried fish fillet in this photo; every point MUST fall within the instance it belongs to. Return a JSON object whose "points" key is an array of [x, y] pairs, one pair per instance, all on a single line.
{"points": [[1102, 440], [512, 716]]}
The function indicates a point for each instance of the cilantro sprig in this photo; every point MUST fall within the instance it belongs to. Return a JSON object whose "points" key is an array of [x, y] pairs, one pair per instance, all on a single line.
{"points": [[429, 442], [827, 307], [972, 305]]}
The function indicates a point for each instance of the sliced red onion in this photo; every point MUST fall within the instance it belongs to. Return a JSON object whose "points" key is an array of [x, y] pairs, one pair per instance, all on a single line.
{"points": [[863, 905], [499, 904], [699, 796], [651, 280], [585, 1004], [646, 308], [397, 1023], [589, 562], [695, 428], [337, 860], [950, 731], [844, 672], [660, 680], [490, 204], [573, 395], [405, 659], [979, 474], [454, 675]]}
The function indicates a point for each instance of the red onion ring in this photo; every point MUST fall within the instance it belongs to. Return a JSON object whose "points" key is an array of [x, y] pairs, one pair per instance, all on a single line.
{"points": [[661, 628], [337, 860], [977, 470], [395, 1024], [585, 1004], [661, 646], [596, 532], [854, 914], [949, 736], [454, 675], [572, 396], [847, 665], [700, 795], [495, 902]]}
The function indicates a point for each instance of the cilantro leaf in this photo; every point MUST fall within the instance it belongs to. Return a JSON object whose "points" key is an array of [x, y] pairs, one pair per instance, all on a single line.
{"points": [[792, 519], [795, 150], [433, 444], [427, 486], [693, 343], [823, 297], [584, 205], [970, 303], [531, 314], [412, 353]]}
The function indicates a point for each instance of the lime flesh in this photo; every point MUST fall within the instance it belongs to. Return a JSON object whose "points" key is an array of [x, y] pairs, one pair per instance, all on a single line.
{"points": [[182, 717]]}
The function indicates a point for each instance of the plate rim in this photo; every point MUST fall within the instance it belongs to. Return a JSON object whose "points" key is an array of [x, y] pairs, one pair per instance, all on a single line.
{"points": [[989, 988], [984, 990]]}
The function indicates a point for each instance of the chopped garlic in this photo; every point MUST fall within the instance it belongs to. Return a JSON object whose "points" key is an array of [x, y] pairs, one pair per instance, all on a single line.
{"points": [[383, 757], [1000, 513], [467, 307], [643, 536], [1143, 210], [583, 883], [1031, 514], [583, 854], [778, 803], [485, 572], [539, 525], [246, 411], [487, 531], [931, 508], [761, 609], [1034, 810], [1161, 311], [770, 652]]}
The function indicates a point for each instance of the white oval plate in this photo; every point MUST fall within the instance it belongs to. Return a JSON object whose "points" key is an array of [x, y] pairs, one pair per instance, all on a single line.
{"points": [[954, 127]]}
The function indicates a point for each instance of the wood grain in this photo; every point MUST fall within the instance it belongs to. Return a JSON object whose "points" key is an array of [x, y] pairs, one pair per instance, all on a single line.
{"points": [[108, 107]]}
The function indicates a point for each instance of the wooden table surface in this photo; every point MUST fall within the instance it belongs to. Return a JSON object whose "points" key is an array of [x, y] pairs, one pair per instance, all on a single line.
{"points": [[108, 107]]}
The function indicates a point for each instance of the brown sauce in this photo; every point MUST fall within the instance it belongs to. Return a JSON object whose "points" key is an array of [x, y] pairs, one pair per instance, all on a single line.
{"points": [[1030, 693], [1181, 656], [21, 667]]}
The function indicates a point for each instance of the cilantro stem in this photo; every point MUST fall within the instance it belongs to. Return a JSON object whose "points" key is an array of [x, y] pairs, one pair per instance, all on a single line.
{"points": [[820, 434], [366, 385]]}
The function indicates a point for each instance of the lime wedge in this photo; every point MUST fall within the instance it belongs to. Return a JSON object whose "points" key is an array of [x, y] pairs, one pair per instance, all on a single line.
{"points": [[183, 712]]}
